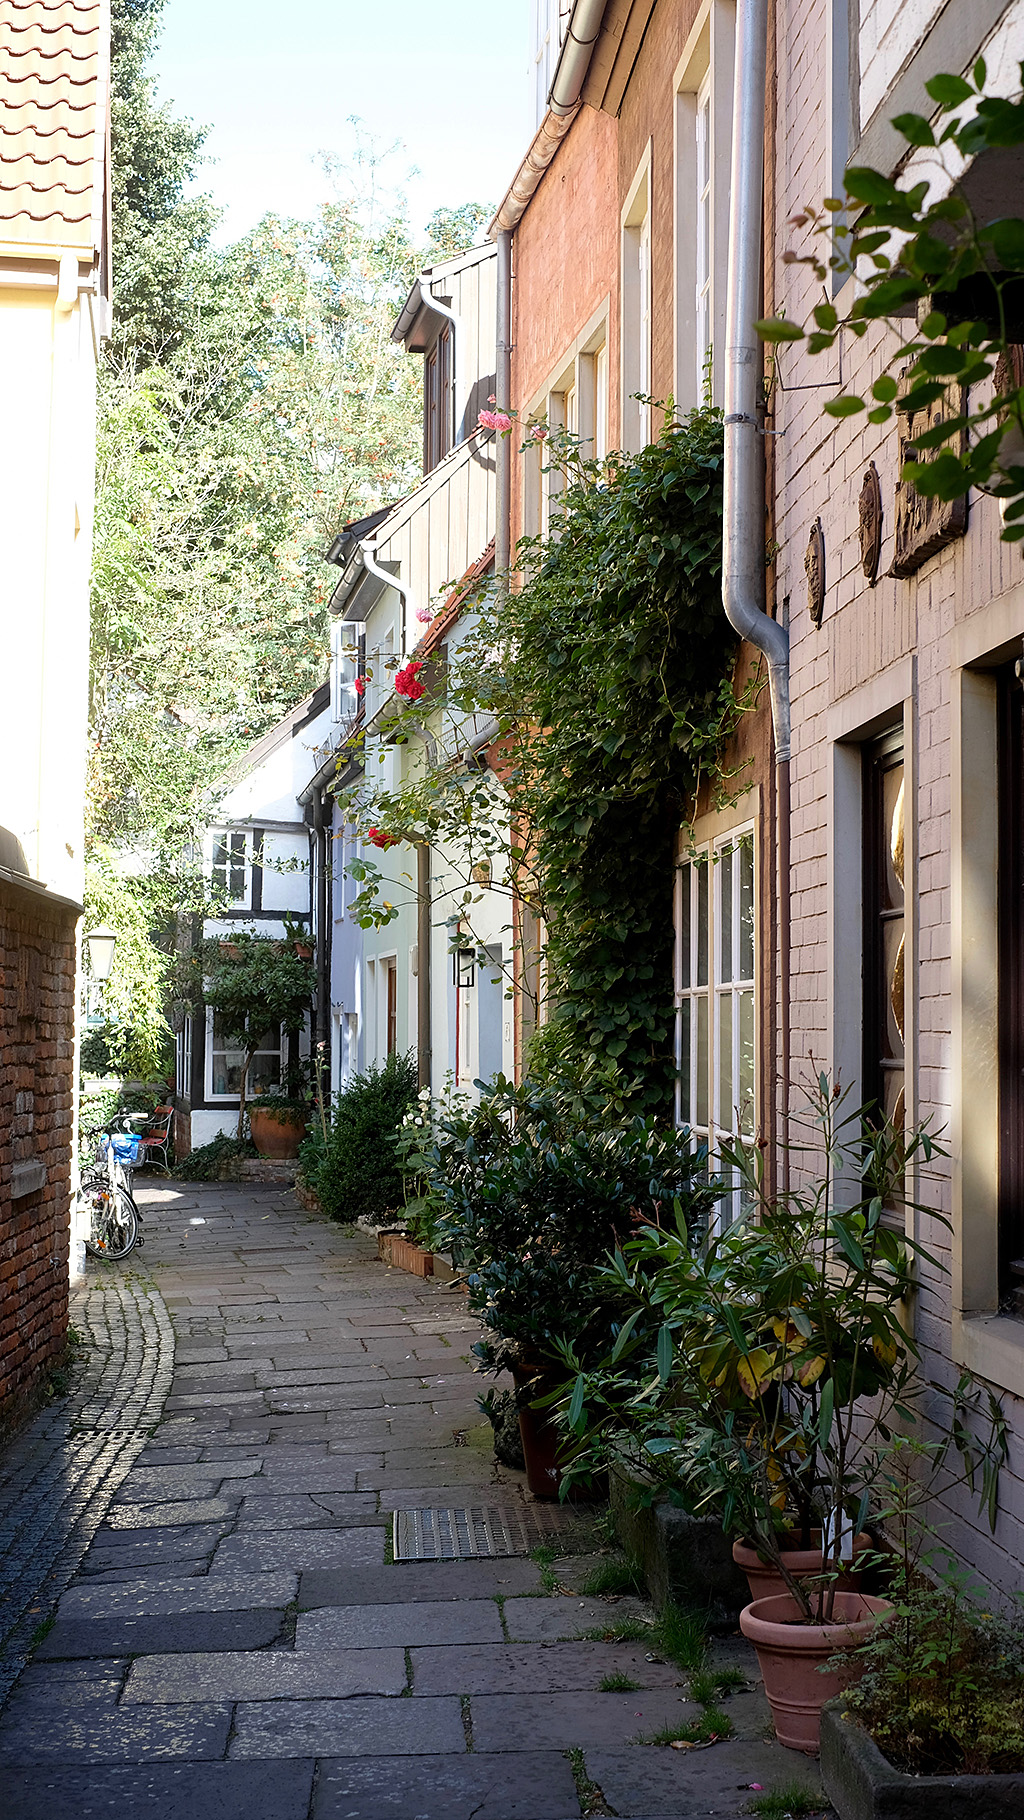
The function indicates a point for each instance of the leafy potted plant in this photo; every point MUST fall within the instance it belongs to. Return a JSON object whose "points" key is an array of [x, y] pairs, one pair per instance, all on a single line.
{"points": [[259, 986], [531, 1189], [934, 1723], [749, 1389], [298, 935]]}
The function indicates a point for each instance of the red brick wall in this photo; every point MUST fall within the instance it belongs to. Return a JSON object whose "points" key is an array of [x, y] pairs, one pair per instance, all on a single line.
{"points": [[37, 1015], [565, 263]]}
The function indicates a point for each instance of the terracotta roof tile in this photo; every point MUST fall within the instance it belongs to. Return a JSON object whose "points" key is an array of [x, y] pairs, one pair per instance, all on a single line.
{"points": [[54, 58]]}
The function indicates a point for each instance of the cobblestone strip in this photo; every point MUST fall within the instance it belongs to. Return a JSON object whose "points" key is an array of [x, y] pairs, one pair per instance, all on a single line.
{"points": [[58, 1479]]}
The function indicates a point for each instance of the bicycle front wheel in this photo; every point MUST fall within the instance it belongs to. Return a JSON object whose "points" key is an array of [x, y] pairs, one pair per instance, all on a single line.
{"points": [[113, 1221]]}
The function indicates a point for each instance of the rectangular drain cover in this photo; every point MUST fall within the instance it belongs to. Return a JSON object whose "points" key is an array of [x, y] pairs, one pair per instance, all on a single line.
{"points": [[462, 1535]]}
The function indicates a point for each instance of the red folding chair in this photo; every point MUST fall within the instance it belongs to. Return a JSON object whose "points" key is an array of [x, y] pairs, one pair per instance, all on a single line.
{"points": [[156, 1138]]}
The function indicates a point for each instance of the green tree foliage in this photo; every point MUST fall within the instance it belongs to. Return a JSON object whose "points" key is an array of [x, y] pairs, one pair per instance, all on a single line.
{"points": [[251, 401], [255, 983], [157, 235]]}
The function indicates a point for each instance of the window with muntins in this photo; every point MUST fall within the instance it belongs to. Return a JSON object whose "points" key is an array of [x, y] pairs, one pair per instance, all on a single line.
{"points": [[883, 1077], [229, 874], [438, 401], [227, 1061], [715, 998], [1010, 888]]}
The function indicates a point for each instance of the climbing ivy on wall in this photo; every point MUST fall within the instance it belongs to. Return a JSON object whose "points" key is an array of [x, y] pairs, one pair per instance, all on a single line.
{"points": [[608, 665]]}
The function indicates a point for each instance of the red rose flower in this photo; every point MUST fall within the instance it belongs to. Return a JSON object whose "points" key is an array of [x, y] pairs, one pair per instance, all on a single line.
{"points": [[407, 682]]}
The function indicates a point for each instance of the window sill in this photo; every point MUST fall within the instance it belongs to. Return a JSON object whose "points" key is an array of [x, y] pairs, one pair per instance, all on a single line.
{"points": [[992, 1346]]}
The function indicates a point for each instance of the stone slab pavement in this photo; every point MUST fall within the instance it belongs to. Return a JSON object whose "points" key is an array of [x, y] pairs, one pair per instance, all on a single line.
{"points": [[231, 1638]]}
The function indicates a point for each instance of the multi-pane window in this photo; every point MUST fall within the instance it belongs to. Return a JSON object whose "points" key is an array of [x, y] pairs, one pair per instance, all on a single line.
{"points": [[1010, 886], [229, 867], [884, 1064], [705, 235], [227, 1061], [636, 318], [438, 401], [715, 1003]]}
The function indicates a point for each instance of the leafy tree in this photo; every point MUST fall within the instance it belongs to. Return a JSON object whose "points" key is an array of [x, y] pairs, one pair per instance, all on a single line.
{"points": [[454, 231], [157, 235]]}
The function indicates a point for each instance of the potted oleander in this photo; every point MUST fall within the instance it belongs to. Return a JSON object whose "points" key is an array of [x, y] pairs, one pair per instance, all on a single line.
{"points": [[762, 1373]]}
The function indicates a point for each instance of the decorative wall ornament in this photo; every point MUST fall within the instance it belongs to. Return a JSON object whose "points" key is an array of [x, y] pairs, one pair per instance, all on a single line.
{"points": [[814, 567], [924, 526], [870, 522]]}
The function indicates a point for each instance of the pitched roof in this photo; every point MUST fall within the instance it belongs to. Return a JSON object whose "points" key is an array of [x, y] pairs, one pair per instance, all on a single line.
{"points": [[54, 80]]}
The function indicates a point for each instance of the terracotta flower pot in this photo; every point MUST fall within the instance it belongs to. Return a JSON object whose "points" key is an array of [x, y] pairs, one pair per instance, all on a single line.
{"points": [[277, 1135], [790, 1654], [764, 1579]]}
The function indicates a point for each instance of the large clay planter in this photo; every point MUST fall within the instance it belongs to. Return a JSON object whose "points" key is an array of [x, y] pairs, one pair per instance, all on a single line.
{"points": [[790, 1655], [277, 1136], [539, 1436], [765, 1581]]}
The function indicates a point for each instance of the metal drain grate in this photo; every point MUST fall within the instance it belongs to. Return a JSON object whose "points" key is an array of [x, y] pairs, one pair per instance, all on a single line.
{"points": [[465, 1535]]}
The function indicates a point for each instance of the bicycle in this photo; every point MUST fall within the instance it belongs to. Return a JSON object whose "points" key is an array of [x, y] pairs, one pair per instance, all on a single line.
{"points": [[105, 1196]]}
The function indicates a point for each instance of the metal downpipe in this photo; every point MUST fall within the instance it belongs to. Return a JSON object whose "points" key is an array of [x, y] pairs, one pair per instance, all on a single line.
{"points": [[503, 392], [743, 505]]}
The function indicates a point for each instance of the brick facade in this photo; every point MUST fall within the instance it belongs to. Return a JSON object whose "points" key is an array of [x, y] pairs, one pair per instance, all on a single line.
{"points": [[37, 1002]]}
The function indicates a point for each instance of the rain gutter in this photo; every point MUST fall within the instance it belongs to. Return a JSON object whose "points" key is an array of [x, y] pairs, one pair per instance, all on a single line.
{"points": [[743, 506]]}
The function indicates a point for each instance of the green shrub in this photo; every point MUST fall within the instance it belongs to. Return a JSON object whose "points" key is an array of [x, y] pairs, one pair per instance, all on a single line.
{"points": [[207, 1163], [535, 1188], [355, 1172], [96, 1057]]}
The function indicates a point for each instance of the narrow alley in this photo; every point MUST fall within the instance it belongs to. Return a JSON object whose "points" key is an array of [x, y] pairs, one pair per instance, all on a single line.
{"points": [[238, 1639]]}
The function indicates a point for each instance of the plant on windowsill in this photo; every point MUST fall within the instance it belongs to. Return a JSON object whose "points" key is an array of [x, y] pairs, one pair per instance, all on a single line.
{"points": [[297, 936], [763, 1374], [262, 985]]}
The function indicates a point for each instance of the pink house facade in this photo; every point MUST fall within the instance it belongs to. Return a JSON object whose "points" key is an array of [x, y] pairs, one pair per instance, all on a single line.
{"points": [[906, 625]]}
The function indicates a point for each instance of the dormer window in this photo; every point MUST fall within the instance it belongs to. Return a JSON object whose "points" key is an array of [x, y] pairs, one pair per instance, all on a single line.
{"points": [[438, 402]]}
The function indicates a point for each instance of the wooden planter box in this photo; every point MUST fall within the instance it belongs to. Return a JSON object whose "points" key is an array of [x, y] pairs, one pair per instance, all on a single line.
{"points": [[399, 1250], [862, 1785]]}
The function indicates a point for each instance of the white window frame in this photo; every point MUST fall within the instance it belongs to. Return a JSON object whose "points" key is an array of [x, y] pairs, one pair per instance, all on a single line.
{"points": [[704, 73], [575, 398], [635, 350], [701, 871], [230, 835], [232, 1099]]}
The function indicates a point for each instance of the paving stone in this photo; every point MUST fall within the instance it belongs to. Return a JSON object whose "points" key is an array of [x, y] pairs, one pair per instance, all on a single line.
{"points": [[159, 1484], [67, 1735], [557, 1721], [288, 1481], [128, 1635], [149, 1599], [646, 1781], [428, 1621], [537, 1620], [410, 1580], [270, 1674], [179, 1791], [354, 1508], [160, 1516], [531, 1786], [533, 1668], [142, 1548], [363, 1547], [362, 1727]]}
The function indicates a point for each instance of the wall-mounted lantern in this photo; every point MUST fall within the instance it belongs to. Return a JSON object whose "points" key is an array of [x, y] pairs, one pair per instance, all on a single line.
{"points": [[101, 944], [464, 968]]}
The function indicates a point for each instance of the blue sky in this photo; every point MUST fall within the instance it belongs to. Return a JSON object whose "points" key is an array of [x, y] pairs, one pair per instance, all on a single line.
{"points": [[277, 83]]}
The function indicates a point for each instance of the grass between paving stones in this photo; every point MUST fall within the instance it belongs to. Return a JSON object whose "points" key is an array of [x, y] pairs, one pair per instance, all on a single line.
{"points": [[407, 1689], [712, 1727], [617, 1684], [549, 1581], [786, 1803], [467, 1720], [588, 1794], [614, 1576], [708, 1684], [499, 1600]]}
